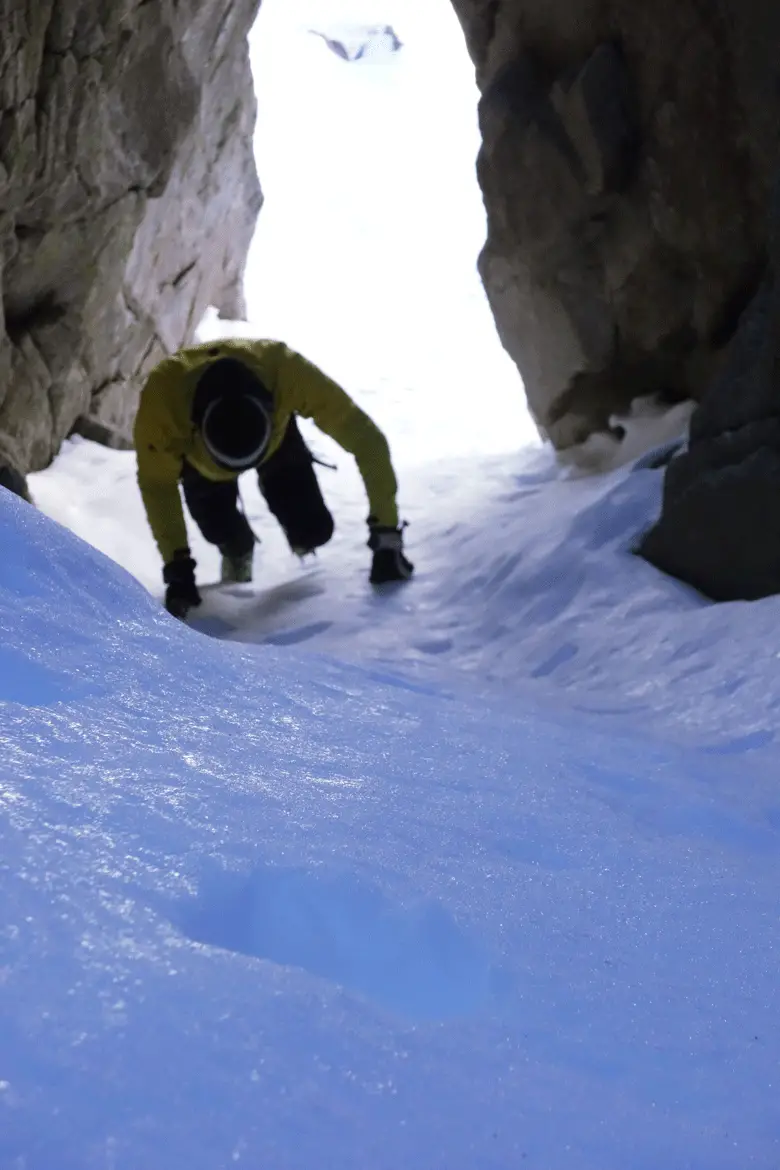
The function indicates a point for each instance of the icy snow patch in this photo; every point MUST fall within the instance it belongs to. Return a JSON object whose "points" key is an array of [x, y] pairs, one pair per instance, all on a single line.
{"points": [[647, 425], [265, 906]]}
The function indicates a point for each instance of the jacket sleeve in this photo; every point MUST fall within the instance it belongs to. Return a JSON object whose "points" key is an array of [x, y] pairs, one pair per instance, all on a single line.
{"points": [[159, 469], [314, 395]]}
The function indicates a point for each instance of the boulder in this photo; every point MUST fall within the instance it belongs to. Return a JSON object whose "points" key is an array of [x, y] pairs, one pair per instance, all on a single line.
{"points": [[128, 199], [719, 528], [627, 155]]}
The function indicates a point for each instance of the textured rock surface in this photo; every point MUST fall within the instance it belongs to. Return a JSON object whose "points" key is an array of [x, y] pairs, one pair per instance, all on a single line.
{"points": [[720, 523], [628, 150], [128, 197]]}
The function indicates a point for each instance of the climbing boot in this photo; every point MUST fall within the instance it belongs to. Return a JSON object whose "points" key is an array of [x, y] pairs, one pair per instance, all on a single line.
{"points": [[237, 570]]}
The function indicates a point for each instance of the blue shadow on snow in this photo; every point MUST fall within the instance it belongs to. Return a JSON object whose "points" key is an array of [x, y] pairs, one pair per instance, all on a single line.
{"points": [[25, 681], [414, 962]]}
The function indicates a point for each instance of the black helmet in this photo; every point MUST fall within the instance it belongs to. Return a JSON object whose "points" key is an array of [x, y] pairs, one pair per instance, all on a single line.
{"points": [[232, 410]]}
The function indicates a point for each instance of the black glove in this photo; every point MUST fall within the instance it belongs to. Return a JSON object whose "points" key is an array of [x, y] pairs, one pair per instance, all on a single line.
{"points": [[182, 592], [389, 563]]}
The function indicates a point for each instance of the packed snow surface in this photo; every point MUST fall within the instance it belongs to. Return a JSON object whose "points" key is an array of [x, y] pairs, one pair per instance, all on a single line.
{"points": [[476, 873], [269, 907]]}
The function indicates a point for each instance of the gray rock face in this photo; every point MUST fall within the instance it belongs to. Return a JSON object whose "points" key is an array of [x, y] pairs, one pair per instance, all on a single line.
{"points": [[128, 198], [720, 524], [628, 151]]}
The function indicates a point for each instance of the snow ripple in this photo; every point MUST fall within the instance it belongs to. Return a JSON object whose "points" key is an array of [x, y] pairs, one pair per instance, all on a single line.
{"points": [[415, 962]]}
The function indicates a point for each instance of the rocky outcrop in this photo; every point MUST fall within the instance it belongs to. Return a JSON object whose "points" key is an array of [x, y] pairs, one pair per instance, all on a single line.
{"points": [[359, 42], [628, 151], [719, 527], [128, 197]]}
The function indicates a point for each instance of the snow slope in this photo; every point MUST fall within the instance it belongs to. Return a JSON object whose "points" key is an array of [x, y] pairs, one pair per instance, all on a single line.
{"points": [[373, 275], [480, 872], [524, 578], [264, 908]]}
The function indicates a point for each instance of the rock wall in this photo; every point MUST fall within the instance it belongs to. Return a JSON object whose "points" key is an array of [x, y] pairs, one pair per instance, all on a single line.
{"points": [[628, 152], [128, 198], [718, 528]]}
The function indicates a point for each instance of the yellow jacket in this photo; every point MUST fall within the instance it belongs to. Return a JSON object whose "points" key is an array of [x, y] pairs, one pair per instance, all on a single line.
{"points": [[164, 433]]}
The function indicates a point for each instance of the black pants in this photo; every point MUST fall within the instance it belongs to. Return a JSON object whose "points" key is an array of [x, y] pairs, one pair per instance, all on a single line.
{"points": [[290, 488]]}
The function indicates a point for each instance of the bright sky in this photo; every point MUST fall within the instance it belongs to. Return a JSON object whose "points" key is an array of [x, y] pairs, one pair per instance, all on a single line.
{"points": [[366, 249]]}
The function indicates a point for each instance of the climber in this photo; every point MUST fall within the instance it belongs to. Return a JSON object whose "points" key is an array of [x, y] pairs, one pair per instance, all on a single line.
{"points": [[212, 411]]}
